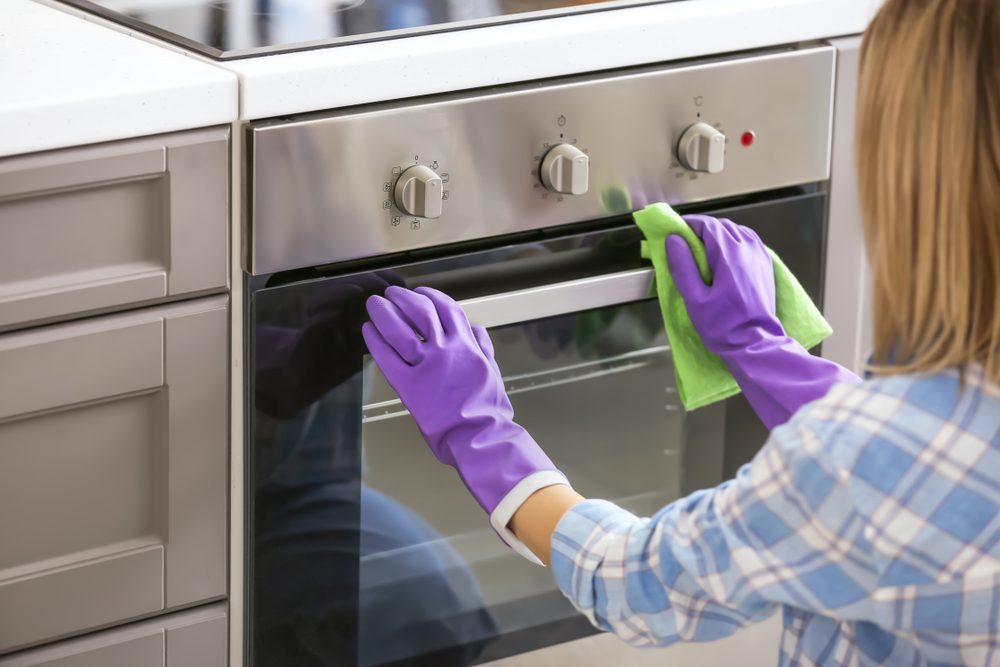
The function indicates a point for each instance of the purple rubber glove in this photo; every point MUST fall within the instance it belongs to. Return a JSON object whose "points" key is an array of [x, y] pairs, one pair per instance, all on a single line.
{"points": [[736, 319], [444, 371]]}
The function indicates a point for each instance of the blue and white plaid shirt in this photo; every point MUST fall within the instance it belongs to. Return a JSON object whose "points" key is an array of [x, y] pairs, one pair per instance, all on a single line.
{"points": [[871, 520]]}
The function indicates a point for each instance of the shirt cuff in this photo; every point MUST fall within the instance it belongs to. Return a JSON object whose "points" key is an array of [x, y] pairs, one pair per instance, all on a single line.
{"points": [[510, 503], [582, 542]]}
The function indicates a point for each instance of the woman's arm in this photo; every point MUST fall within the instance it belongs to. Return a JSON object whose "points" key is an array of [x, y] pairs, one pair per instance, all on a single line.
{"points": [[785, 531], [736, 317], [535, 521]]}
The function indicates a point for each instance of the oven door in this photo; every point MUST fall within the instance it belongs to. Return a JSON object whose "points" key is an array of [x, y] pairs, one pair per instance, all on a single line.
{"points": [[365, 550]]}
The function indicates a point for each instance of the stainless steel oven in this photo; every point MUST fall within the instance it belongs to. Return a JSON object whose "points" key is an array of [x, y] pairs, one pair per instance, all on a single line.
{"points": [[362, 549]]}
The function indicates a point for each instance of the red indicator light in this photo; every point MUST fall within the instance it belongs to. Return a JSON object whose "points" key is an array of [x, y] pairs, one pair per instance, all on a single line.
{"points": [[747, 139]]}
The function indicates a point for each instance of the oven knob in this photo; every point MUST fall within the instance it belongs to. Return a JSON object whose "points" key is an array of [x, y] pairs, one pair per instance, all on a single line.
{"points": [[702, 148], [418, 192], [566, 170]]}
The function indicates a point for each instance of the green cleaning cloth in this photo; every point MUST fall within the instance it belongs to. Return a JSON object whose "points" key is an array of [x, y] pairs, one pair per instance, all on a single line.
{"points": [[702, 377]]}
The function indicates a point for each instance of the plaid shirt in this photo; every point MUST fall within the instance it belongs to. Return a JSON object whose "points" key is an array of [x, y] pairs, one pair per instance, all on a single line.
{"points": [[871, 521]]}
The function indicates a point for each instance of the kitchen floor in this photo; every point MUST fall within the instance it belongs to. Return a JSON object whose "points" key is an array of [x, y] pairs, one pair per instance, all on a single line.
{"points": [[753, 646]]}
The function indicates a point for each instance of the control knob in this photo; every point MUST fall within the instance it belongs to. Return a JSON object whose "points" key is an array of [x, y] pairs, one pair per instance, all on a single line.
{"points": [[418, 192], [565, 169], [702, 148]]}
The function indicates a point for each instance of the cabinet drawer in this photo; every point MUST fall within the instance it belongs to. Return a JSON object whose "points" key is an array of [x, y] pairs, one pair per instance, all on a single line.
{"points": [[194, 638], [95, 228], [113, 469]]}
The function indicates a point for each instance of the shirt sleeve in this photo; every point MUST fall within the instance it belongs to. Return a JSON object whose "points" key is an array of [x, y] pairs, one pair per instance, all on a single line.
{"points": [[783, 532]]}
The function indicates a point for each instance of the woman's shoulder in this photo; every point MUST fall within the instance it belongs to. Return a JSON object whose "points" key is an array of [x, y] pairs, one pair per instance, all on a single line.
{"points": [[951, 394], [904, 414]]}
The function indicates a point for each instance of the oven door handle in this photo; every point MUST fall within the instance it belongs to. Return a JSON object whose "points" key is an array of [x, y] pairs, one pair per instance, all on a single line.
{"points": [[497, 310]]}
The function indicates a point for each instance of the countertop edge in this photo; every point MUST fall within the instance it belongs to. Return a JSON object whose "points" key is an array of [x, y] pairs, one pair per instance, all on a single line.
{"points": [[338, 77]]}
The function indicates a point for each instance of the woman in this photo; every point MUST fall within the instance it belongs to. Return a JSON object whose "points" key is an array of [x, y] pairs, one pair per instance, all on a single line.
{"points": [[871, 519]]}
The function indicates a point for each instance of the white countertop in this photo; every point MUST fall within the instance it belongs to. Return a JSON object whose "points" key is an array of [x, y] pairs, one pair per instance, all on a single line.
{"points": [[342, 76], [65, 81]]}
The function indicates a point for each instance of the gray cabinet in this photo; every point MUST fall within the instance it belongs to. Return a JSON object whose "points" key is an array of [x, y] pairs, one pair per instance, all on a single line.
{"points": [[113, 469], [93, 229], [187, 639]]}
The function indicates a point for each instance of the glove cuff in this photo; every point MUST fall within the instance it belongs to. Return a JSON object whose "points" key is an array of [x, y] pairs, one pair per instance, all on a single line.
{"points": [[512, 501]]}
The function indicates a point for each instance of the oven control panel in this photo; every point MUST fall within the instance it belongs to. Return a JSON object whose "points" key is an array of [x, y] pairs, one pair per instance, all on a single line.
{"points": [[414, 174]]}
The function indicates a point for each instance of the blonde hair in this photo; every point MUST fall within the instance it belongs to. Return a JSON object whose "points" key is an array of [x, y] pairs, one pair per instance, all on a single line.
{"points": [[928, 151]]}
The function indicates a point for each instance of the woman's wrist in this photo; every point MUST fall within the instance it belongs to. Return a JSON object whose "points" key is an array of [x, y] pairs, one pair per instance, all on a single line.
{"points": [[536, 519], [501, 515]]}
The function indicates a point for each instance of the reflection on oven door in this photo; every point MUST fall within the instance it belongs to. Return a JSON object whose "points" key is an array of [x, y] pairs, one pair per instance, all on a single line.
{"points": [[596, 389]]}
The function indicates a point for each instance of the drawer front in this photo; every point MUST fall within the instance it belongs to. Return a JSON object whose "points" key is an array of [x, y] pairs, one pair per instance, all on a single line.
{"points": [[95, 228], [113, 469], [194, 638]]}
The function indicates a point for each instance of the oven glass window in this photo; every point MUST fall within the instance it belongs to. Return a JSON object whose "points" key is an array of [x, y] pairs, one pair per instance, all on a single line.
{"points": [[363, 549], [596, 389]]}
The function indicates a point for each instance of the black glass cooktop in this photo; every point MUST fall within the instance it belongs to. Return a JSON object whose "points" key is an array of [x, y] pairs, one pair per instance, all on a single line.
{"points": [[226, 29]]}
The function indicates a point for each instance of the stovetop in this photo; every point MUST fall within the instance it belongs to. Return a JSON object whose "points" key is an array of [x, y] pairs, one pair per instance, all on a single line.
{"points": [[228, 29]]}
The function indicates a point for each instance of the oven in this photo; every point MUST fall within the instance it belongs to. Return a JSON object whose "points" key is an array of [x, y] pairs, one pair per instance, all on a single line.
{"points": [[361, 548]]}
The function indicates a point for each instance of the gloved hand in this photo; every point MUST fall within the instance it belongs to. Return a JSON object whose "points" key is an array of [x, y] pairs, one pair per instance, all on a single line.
{"points": [[295, 367], [736, 319], [444, 372]]}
